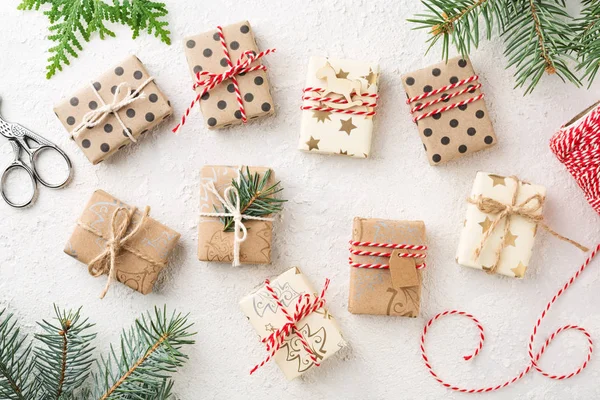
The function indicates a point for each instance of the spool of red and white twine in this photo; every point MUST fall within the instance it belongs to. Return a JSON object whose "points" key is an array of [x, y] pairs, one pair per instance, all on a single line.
{"points": [[534, 357], [577, 146]]}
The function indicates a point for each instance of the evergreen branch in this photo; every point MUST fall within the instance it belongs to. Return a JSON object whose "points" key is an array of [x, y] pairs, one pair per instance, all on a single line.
{"points": [[145, 15], [15, 368], [64, 363], [150, 353], [587, 47], [255, 198], [32, 4]]}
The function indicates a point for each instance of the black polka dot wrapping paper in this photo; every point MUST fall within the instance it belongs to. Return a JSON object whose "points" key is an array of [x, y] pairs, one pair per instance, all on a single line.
{"points": [[457, 131], [116, 129], [204, 52]]}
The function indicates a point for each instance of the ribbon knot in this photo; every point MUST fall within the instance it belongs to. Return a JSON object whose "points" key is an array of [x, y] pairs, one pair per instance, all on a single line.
{"points": [[105, 262], [304, 307], [528, 209]]}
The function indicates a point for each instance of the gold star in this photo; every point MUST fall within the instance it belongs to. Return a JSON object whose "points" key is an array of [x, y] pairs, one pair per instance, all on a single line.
{"points": [[486, 269], [342, 74], [371, 78], [509, 240], [270, 328], [347, 126], [321, 116], [519, 270], [485, 225], [344, 153], [313, 143], [497, 180]]}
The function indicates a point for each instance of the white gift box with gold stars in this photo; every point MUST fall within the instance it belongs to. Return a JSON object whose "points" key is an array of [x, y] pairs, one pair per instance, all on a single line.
{"points": [[331, 132], [518, 243]]}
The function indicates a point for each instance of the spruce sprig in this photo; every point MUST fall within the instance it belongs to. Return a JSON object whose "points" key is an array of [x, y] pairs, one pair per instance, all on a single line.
{"points": [[65, 360], [588, 44], [256, 199], [74, 20]]}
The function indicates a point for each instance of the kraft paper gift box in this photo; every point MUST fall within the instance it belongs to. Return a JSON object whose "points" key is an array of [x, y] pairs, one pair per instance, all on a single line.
{"points": [[395, 290], [216, 245], [458, 131], [148, 108], [325, 129], [140, 259], [319, 328], [219, 106], [519, 240]]}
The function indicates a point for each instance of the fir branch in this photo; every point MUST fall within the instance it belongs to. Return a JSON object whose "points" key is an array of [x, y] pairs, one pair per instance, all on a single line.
{"points": [[145, 15], [64, 363], [587, 47], [256, 199], [32, 4], [150, 352], [15, 369]]}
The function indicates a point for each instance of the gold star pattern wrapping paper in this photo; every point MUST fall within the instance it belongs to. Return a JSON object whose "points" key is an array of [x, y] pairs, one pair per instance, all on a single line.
{"points": [[520, 238], [332, 132], [319, 328]]}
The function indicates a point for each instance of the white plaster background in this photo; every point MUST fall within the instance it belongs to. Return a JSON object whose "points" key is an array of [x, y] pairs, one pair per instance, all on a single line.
{"points": [[325, 193]]}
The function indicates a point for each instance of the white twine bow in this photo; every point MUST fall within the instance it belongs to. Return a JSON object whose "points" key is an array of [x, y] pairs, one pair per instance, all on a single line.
{"points": [[231, 202], [95, 117]]}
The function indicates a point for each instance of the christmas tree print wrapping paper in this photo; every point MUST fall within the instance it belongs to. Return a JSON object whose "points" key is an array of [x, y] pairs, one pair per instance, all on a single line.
{"points": [[154, 240], [219, 106], [216, 245], [147, 111], [456, 132], [319, 328], [336, 133], [520, 238], [372, 291]]}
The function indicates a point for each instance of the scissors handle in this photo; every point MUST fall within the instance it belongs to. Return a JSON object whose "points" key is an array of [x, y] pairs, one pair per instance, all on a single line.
{"points": [[33, 158], [18, 164]]}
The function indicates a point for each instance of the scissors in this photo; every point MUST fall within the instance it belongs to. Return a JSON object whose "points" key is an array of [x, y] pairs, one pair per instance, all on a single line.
{"points": [[21, 139]]}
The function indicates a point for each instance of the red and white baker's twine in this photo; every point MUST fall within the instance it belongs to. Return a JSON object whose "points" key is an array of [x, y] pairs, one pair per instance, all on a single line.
{"points": [[304, 307], [578, 148], [533, 356], [383, 254], [321, 100], [208, 80], [444, 98]]}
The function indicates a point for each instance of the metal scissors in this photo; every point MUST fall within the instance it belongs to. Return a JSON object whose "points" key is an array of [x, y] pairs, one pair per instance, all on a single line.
{"points": [[23, 140]]}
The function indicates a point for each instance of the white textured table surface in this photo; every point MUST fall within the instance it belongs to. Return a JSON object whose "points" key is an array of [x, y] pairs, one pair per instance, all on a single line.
{"points": [[325, 193]]}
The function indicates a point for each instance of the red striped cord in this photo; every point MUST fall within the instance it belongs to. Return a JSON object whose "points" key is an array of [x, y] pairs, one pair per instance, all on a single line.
{"points": [[422, 106], [578, 148], [448, 107], [384, 254], [321, 99], [442, 89], [533, 357]]}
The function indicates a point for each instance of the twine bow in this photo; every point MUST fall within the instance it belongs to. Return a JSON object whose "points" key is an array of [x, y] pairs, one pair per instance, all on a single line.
{"points": [[527, 209], [95, 117], [304, 307], [105, 262], [231, 202]]}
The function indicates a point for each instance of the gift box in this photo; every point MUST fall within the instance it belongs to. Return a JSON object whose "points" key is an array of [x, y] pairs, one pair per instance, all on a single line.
{"points": [[143, 244], [387, 259], [339, 103], [114, 110], [265, 307], [503, 253], [216, 244], [219, 105], [448, 106]]}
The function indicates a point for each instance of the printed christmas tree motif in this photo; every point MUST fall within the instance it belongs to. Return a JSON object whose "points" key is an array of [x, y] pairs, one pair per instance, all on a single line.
{"points": [[486, 224], [347, 126], [264, 301], [519, 270], [497, 180], [321, 116], [510, 239], [403, 302], [219, 248], [295, 351], [313, 144]]}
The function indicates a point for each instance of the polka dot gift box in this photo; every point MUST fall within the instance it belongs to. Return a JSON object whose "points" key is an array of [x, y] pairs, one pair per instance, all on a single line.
{"points": [[447, 104], [112, 111], [339, 103], [242, 95]]}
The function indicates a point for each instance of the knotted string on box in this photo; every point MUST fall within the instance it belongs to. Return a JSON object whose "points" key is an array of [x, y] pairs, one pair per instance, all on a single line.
{"points": [[527, 209], [105, 262], [316, 94], [534, 357], [577, 146], [209, 80], [304, 307], [445, 98], [95, 117], [231, 202], [384, 254]]}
